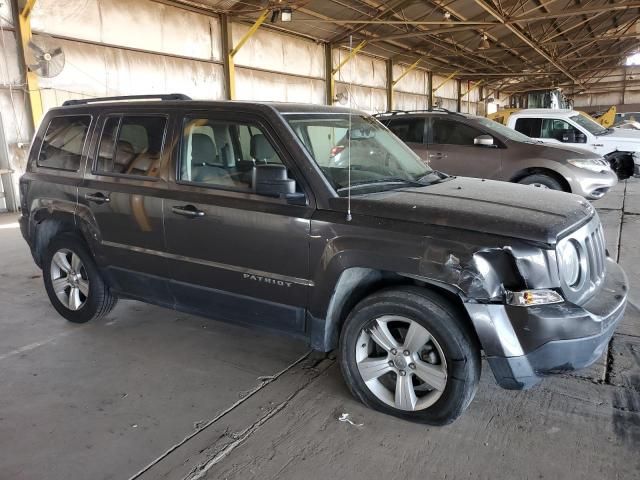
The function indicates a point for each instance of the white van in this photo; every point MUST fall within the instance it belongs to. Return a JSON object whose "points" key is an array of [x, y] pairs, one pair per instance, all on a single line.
{"points": [[621, 147]]}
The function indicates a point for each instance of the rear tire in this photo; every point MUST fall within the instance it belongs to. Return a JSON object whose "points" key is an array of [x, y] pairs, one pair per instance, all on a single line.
{"points": [[409, 353], [541, 180], [73, 282]]}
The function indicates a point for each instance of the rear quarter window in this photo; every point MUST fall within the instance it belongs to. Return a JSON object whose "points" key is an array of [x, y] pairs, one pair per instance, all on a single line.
{"points": [[529, 126], [63, 142]]}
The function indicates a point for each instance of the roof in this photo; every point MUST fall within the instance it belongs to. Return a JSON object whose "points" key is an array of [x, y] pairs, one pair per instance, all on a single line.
{"points": [[531, 44], [546, 112], [180, 100]]}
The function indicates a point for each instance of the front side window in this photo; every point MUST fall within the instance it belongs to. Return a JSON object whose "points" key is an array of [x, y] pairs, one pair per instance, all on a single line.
{"points": [[559, 130], [131, 145], [449, 132], [224, 154], [63, 142], [378, 160], [408, 129]]}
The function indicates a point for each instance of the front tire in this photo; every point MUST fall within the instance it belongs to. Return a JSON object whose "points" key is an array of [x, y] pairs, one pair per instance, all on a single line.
{"points": [[541, 180], [73, 282], [407, 352]]}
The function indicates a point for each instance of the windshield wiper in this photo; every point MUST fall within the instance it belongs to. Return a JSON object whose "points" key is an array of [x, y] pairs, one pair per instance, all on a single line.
{"points": [[378, 181]]}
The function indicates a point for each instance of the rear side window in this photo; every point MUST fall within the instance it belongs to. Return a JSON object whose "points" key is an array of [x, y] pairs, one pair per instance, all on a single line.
{"points": [[408, 130], [63, 142], [131, 145], [529, 126]]}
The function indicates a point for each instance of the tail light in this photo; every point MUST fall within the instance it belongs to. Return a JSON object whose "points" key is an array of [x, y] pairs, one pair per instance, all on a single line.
{"points": [[336, 150]]}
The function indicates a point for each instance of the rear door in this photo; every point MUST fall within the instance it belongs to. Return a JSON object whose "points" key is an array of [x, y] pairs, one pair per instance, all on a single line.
{"points": [[451, 149], [235, 254], [121, 196]]}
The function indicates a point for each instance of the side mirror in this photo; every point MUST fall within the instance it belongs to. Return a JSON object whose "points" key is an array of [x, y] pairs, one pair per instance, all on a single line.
{"points": [[484, 141], [568, 136], [272, 181], [296, 198]]}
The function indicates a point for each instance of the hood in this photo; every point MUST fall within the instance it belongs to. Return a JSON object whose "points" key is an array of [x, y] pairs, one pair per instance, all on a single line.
{"points": [[499, 208], [624, 139], [554, 151]]}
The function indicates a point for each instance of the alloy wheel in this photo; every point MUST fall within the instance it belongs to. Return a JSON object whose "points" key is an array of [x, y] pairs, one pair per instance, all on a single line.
{"points": [[401, 363], [69, 279]]}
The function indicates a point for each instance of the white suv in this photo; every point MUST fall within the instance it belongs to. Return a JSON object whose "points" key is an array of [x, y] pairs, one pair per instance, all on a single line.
{"points": [[620, 147]]}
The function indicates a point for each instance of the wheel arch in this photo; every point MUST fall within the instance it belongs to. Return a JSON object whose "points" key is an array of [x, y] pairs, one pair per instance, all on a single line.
{"points": [[525, 172], [48, 224], [357, 283]]}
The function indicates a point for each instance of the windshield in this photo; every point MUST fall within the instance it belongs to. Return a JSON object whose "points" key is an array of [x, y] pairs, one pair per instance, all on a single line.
{"points": [[590, 125], [507, 132], [379, 159]]}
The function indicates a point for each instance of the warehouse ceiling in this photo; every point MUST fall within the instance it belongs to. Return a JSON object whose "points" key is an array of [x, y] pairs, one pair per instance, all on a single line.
{"points": [[514, 45]]}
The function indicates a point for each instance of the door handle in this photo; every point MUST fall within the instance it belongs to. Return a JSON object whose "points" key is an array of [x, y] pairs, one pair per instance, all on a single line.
{"points": [[187, 211], [97, 197], [437, 155]]}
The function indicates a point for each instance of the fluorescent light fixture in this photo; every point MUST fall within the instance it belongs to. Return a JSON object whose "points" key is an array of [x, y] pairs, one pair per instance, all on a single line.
{"points": [[286, 14]]}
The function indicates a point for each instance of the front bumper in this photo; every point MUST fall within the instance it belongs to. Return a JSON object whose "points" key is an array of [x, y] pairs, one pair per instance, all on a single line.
{"points": [[591, 185], [525, 344]]}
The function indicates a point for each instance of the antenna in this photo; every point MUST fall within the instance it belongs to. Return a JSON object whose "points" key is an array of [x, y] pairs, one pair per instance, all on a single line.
{"points": [[349, 133]]}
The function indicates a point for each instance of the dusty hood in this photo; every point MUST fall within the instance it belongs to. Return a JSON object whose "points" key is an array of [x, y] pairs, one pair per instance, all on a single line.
{"points": [[500, 208]]}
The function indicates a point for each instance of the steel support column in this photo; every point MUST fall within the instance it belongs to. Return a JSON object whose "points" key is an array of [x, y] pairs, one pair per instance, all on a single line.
{"points": [[24, 31], [390, 84], [330, 84], [232, 53], [458, 95], [429, 90]]}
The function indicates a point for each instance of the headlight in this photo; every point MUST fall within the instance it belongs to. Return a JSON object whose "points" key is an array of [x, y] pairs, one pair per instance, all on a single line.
{"points": [[569, 263], [594, 165]]}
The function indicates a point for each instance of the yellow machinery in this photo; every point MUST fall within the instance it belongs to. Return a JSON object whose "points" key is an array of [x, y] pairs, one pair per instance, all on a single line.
{"points": [[501, 116], [608, 119]]}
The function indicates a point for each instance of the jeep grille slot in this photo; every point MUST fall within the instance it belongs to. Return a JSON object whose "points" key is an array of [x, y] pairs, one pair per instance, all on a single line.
{"points": [[591, 239], [596, 253]]}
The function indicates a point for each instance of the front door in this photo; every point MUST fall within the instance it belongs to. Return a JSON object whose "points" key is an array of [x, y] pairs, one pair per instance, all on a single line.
{"points": [[452, 150], [410, 129], [121, 195], [238, 251]]}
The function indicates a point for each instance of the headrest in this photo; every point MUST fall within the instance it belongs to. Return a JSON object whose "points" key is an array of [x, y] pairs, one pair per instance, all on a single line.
{"points": [[261, 148], [202, 148]]}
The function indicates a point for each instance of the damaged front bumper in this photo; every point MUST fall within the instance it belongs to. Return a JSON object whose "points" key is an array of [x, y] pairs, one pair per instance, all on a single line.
{"points": [[524, 344]]}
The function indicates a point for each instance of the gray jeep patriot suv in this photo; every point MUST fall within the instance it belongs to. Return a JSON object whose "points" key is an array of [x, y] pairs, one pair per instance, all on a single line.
{"points": [[235, 211]]}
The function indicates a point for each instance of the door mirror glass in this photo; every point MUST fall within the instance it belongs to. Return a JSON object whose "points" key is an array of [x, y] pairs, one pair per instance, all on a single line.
{"points": [[484, 141]]}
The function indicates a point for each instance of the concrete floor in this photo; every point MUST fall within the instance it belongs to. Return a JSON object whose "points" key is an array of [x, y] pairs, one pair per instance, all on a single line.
{"points": [[150, 393]]}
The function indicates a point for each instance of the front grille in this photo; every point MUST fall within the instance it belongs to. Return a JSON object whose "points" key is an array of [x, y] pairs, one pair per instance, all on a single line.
{"points": [[596, 254], [592, 245]]}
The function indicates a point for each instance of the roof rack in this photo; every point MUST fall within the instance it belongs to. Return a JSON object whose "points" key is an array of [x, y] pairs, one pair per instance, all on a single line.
{"points": [[434, 109], [84, 101]]}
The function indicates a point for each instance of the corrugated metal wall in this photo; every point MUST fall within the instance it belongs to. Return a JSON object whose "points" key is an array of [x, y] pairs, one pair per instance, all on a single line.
{"points": [[278, 67], [410, 93], [619, 87], [365, 77], [123, 47]]}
